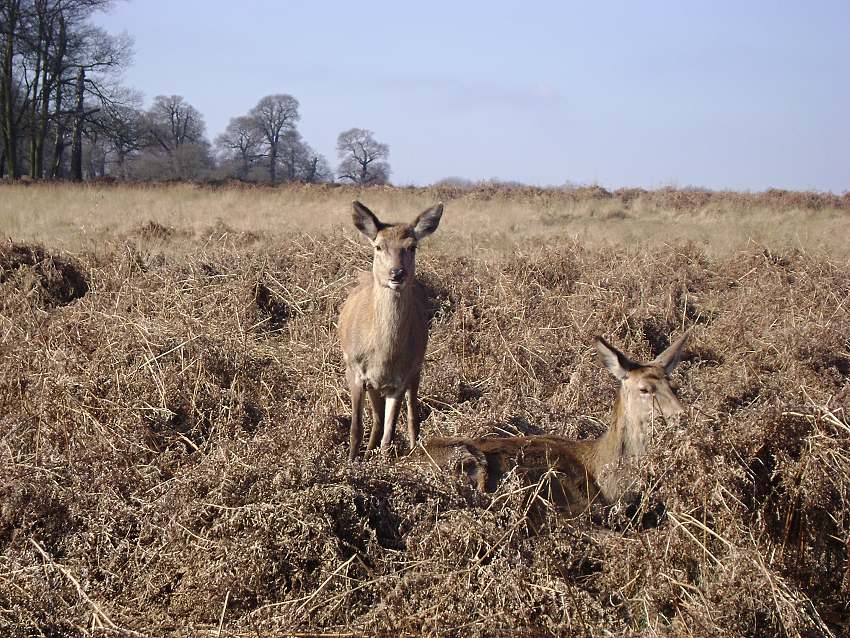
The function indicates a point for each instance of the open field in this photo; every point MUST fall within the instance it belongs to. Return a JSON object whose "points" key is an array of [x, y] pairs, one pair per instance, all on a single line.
{"points": [[75, 217], [173, 418]]}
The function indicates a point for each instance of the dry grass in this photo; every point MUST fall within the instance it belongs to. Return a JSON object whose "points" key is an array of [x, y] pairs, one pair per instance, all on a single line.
{"points": [[86, 216], [172, 437]]}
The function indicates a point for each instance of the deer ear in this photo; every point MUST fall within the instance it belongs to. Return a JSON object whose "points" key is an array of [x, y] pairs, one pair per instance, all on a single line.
{"points": [[670, 358], [617, 363], [365, 220], [427, 221]]}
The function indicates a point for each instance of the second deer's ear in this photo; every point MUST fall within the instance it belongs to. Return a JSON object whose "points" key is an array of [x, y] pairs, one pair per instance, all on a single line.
{"points": [[617, 363], [365, 220], [427, 221], [670, 358]]}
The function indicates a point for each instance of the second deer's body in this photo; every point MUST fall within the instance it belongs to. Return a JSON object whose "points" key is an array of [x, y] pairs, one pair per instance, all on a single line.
{"points": [[573, 473]]}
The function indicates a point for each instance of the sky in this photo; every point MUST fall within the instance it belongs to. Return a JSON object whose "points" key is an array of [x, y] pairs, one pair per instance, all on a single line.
{"points": [[739, 95]]}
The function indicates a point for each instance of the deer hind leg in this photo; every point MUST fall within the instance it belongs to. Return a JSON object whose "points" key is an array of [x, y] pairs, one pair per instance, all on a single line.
{"points": [[356, 437], [393, 403], [413, 412], [378, 405]]}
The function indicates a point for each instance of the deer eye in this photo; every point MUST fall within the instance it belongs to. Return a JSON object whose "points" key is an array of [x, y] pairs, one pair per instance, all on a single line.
{"points": [[644, 390], [378, 248]]}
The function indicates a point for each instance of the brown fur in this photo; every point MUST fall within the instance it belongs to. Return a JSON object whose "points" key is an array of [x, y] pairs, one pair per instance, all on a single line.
{"points": [[383, 328], [574, 474]]}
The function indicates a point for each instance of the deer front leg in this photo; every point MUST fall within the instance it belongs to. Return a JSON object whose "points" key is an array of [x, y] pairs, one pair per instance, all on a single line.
{"points": [[356, 437], [393, 403], [377, 401], [413, 412]]}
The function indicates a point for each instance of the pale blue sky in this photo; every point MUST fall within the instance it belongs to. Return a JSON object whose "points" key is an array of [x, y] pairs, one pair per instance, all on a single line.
{"points": [[743, 95]]}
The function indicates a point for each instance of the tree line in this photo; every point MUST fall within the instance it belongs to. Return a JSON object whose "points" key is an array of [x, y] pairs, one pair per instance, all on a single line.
{"points": [[65, 114]]}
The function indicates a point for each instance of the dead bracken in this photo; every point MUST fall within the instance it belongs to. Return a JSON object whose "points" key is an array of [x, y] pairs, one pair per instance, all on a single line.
{"points": [[172, 465], [48, 279]]}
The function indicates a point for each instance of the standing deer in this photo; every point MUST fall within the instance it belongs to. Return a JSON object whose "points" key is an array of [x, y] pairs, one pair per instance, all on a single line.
{"points": [[586, 471], [383, 327]]}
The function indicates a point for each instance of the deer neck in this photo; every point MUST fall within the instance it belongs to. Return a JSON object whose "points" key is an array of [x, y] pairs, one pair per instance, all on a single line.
{"points": [[620, 441], [391, 310]]}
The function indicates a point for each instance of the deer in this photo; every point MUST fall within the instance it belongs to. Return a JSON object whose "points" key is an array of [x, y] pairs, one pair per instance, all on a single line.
{"points": [[383, 328], [575, 473]]}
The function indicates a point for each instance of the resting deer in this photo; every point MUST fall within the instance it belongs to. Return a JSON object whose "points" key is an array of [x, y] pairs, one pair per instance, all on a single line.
{"points": [[585, 471], [383, 327]]}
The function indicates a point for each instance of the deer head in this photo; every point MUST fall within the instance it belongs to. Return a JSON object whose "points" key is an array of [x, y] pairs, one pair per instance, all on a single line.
{"points": [[394, 258], [645, 391]]}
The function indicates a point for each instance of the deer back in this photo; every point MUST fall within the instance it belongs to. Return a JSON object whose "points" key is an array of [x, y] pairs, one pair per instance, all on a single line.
{"points": [[558, 465]]}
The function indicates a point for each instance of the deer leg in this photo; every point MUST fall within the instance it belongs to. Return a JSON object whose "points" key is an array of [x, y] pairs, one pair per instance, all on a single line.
{"points": [[413, 412], [377, 401], [356, 437], [393, 404]]}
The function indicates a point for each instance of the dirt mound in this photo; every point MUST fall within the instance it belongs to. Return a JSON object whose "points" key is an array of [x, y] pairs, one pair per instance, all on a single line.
{"points": [[173, 448], [221, 233], [48, 279], [154, 231]]}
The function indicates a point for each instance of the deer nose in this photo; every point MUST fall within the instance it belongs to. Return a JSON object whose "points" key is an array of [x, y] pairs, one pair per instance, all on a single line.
{"points": [[397, 274], [675, 407]]}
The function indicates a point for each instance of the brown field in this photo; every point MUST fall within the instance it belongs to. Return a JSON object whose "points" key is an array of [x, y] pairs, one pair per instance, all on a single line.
{"points": [[173, 417], [488, 217]]}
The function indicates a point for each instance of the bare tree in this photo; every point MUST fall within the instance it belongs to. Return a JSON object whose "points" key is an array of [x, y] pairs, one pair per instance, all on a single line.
{"points": [[172, 122], [120, 127], [241, 143], [317, 169], [11, 20], [77, 131], [174, 141], [362, 158], [299, 162], [291, 155], [94, 57], [65, 57], [57, 70], [274, 115]]}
